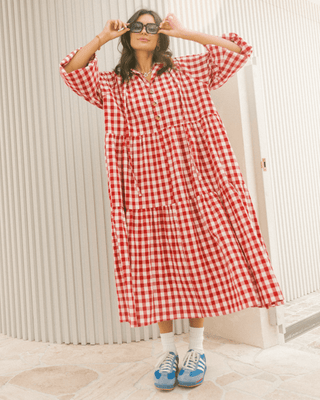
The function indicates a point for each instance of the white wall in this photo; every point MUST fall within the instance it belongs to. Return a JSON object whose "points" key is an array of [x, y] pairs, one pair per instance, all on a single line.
{"points": [[56, 262]]}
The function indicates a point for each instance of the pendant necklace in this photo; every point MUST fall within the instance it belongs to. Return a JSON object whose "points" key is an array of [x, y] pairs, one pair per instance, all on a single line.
{"points": [[145, 74]]}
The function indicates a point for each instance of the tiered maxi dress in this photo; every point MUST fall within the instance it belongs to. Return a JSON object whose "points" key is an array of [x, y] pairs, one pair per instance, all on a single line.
{"points": [[185, 235]]}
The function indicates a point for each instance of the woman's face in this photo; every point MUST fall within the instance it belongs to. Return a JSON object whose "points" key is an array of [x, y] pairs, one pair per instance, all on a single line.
{"points": [[138, 44]]}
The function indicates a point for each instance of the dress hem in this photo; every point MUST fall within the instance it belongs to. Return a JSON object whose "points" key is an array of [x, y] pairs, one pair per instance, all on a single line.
{"points": [[209, 315]]}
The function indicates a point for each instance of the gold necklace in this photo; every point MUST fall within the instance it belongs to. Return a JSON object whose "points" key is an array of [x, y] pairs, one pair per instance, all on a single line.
{"points": [[145, 74]]}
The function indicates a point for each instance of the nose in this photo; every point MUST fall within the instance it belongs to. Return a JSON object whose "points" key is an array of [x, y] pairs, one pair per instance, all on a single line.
{"points": [[144, 28]]}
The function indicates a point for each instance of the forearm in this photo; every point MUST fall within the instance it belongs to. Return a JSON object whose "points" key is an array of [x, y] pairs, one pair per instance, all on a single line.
{"points": [[205, 38], [82, 57]]}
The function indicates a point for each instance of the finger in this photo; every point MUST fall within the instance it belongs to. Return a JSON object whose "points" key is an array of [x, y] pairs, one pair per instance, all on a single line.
{"points": [[170, 23]]}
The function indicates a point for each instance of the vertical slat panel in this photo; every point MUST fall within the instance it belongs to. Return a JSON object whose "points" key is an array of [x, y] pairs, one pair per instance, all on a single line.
{"points": [[6, 303], [56, 274], [66, 181], [11, 185], [58, 181]]}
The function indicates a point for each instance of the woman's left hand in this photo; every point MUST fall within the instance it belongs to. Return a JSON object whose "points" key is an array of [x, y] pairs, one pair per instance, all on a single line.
{"points": [[171, 26]]}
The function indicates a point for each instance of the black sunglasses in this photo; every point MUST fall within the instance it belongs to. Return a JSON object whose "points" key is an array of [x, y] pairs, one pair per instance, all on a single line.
{"points": [[138, 26]]}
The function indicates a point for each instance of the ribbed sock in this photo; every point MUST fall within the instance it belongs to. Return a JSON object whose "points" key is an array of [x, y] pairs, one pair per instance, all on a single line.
{"points": [[167, 340], [196, 339]]}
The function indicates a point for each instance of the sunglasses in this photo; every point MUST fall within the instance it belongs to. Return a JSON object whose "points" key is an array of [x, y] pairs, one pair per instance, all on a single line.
{"points": [[137, 27]]}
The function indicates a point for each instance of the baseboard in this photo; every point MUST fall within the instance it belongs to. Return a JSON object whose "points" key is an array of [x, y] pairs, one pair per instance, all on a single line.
{"points": [[301, 327]]}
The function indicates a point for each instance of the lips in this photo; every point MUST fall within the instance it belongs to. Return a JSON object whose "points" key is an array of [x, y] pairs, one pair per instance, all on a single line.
{"points": [[144, 40]]}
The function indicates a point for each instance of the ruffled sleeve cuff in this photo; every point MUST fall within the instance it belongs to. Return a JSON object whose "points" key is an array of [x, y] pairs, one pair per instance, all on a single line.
{"points": [[85, 81], [224, 62]]}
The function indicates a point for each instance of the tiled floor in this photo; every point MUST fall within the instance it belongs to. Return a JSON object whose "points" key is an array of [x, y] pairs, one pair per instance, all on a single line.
{"points": [[43, 371], [301, 308]]}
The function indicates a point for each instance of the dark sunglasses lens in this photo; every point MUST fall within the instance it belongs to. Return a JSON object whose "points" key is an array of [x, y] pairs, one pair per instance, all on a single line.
{"points": [[152, 28], [136, 27]]}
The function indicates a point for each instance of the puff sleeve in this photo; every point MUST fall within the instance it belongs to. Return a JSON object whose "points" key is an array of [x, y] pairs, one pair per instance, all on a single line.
{"points": [[85, 82], [217, 64]]}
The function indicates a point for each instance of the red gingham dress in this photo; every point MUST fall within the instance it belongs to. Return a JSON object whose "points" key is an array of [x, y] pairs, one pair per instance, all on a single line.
{"points": [[185, 235]]}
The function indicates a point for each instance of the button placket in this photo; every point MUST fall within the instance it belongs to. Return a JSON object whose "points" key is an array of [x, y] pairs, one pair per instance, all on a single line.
{"points": [[126, 140], [157, 117]]}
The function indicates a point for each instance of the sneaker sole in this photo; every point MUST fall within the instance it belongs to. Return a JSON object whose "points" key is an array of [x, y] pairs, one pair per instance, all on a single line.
{"points": [[198, 384], [164, 388]]}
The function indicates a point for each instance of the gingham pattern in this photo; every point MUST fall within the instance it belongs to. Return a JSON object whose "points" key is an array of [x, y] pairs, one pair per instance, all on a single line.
{"points": [[186, 239]]}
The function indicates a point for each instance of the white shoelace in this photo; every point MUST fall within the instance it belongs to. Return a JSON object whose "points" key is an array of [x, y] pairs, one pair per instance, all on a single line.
{"points": [[166, 359], [190, 360]]}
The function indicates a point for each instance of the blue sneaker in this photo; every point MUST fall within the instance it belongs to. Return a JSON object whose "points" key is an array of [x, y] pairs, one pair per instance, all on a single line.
{"points": [[193, 369], [165, 375]]}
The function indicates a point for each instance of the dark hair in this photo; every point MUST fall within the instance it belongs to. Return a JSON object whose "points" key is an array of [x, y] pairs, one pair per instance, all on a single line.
{"points": [[128, 60]]}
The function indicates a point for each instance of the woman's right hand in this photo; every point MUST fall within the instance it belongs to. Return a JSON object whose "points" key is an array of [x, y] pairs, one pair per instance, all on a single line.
{"points": [[111, 29]]}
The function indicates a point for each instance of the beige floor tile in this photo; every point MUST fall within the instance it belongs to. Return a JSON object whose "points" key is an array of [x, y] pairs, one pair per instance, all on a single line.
{"points": [[315, 344], [4, 380], [55, 380], [172, 395], [285, 377], [257, 387], [282, 395], [235, 395], [11, 392], [240, 352], [66, 397], [286, 360], [316, 331], [141, 394], [243, 368], [12, 367], [118, 384], [267, 377], [207, 390], [145, 381], [216, 339], [228, 378], [101, 369], [211, 345], [12, 348], [217, 365], [308, 384]]}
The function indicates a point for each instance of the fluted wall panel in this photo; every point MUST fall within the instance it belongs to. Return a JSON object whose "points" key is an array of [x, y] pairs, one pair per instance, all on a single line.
{"points": [[56, 262]]}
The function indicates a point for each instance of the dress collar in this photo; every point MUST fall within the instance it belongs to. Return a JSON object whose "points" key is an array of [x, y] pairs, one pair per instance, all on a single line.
{"points": [[155, 64]]}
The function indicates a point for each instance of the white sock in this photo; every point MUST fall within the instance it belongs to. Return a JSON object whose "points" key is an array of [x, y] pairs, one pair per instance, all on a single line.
{"points": [[167, 340], [196, 339]]}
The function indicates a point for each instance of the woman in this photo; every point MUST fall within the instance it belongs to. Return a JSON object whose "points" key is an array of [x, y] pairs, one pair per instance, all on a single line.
{"points": [[186, 239]]}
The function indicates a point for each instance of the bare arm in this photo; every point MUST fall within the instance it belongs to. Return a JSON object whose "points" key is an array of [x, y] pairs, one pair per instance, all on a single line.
{"points": [[171, 26], [205, 38], [110, 31], [82, 57]]}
